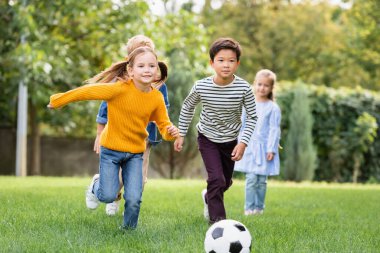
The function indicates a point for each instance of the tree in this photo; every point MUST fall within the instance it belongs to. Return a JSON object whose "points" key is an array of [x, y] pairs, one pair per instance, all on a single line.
{"points": [[66, 43], [300, 155], [363, 135], [315, 42], [363, 36], [184, 44]]}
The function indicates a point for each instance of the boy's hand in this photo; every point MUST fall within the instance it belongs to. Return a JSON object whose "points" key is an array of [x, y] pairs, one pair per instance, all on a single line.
{"points": [[238, 152], [178, 144], [173, 131]]}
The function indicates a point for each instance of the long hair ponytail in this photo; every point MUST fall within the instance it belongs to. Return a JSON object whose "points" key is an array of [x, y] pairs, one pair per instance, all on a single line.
{"points": [[117, 71]]}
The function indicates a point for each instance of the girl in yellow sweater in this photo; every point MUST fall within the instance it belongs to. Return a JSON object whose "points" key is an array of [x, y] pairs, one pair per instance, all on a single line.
{"points": [[132, 104]]}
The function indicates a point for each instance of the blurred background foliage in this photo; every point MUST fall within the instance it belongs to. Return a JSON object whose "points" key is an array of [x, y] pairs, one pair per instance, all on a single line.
{"points": [[332, 49]]}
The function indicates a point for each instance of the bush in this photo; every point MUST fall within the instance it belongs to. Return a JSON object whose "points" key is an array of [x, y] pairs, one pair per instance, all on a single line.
{"points": [[337, 114]]}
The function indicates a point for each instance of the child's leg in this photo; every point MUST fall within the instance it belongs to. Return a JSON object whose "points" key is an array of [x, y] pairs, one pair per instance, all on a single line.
{"points": [[228, 164], [146, 163], [106, 188], [113, 208], [250, 195], [261, 189], [216, 182], [132, 179]]}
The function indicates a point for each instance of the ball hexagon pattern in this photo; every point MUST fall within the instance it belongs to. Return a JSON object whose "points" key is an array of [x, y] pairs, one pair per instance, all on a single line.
{"points": [[228, 236]]}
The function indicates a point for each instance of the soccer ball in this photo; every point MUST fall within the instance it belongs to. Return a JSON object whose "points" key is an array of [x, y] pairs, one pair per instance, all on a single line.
{"points": [[228, 236]]}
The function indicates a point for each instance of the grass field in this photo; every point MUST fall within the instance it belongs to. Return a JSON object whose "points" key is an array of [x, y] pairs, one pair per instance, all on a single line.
{"points": [[40, 214]]}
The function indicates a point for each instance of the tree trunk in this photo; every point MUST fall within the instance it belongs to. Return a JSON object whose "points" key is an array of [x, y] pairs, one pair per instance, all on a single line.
{"points": [[356, 171], [35, 151], [171, 163]]}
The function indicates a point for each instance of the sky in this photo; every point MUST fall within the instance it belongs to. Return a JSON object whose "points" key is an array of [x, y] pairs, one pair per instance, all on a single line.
{"points": [[158, 8]]}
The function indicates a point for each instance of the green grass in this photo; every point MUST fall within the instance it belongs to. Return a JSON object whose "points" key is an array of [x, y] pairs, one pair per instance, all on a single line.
{"points": [[39, 214]]}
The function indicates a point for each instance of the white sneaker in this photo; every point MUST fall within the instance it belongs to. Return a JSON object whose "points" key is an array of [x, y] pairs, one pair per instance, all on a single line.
{"points": [[258, 211], [91, 201], [205, 207], [112, 208]]}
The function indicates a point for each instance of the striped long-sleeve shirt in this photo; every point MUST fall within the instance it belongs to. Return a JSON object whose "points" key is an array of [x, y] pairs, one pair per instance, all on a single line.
{"points": [[220, 118]]}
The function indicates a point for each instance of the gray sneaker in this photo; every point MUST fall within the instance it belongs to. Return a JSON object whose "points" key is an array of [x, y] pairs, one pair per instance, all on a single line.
{"points": [[92, 201], [205, 206]]}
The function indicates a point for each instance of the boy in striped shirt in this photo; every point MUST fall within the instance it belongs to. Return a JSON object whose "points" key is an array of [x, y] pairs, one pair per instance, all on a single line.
{"points": [[222, 97]]}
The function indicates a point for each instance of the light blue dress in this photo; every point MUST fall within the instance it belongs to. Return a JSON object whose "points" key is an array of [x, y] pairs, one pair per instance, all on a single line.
{"points": [[265, 139]]}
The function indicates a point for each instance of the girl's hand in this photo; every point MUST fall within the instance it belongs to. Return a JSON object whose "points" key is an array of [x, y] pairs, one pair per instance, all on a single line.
{"points": [[50, 106], [158, 85], [178, 144], [238, 152], [270, 156], [173, 131]]}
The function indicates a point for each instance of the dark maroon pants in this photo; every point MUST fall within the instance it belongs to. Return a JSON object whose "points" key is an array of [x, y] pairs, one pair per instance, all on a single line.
{"points": [[219, 167]]}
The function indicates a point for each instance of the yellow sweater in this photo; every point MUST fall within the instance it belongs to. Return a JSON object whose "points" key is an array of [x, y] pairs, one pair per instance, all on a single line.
{"points": [[129, 111]]}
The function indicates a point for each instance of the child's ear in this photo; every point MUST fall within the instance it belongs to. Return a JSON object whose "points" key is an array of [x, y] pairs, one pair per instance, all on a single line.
{"points": [[129, 71]]}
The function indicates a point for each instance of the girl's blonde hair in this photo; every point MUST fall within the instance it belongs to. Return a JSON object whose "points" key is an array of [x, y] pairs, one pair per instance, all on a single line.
{"points": [[139, 41], [118, 70], [271, 76]]}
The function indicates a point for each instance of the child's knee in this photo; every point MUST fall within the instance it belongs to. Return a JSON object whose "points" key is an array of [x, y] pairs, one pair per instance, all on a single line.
{"points": [[106, 197], [219, 183]]}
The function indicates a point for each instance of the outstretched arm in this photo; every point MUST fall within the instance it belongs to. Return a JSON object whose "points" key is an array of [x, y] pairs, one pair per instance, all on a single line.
{"points": [[185, 116], [100, 91]]}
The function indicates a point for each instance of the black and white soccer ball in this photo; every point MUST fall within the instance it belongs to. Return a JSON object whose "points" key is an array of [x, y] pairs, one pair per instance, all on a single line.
{"points": [[228, 236]]}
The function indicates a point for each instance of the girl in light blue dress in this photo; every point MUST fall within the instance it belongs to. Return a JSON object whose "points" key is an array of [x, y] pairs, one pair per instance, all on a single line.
{"points": [[261, 158]]}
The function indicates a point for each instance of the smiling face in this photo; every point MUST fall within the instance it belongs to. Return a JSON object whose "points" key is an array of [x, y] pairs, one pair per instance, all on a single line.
{"points": [[263, 87], [225, 64], [143, 71]]}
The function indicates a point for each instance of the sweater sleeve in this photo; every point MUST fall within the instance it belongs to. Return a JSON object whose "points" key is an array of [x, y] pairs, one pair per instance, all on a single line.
{"points": [[274, 130], [99, 91], [188, 110], [250, 123], [161, 118]]}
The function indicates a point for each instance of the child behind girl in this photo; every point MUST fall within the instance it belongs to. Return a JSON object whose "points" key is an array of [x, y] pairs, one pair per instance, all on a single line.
{"points": [[132, 103], [261, 158]]}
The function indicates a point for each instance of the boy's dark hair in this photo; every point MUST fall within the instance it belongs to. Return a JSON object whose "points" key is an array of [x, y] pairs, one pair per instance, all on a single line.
{"points": [[225, 43]]}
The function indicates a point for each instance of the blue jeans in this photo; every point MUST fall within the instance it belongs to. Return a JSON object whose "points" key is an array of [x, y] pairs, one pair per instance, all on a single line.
{"points": [[106, 188], [255, 189]]}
